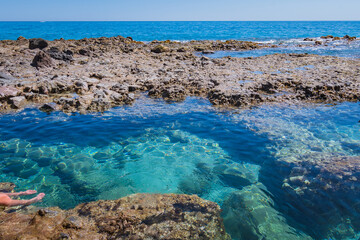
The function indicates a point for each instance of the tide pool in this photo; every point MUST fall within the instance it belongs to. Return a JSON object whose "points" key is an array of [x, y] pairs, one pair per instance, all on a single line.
{"points": [[241, 159]]}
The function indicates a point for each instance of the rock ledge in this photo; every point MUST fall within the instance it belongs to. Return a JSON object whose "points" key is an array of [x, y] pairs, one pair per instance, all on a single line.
{"points": [[138, 216]]}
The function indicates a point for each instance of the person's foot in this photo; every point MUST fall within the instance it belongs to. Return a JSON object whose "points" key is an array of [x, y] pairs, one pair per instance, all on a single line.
{"points": [[29, 192]]}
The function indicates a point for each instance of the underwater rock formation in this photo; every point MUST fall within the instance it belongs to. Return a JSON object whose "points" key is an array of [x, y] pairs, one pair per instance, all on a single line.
{"points": [[326, 180], [138, 216], [251, 215]]}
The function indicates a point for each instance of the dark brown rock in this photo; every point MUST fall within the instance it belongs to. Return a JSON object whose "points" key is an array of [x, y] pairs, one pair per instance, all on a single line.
{"points": [[42, 60], [37, 43]]}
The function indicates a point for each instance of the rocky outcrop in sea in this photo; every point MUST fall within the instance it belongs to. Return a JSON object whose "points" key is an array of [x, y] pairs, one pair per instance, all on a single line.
{"points": [[138, 216], [92, 75]]}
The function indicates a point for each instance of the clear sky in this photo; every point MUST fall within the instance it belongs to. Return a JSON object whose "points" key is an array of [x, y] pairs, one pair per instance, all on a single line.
{"points": [[178, 10]]}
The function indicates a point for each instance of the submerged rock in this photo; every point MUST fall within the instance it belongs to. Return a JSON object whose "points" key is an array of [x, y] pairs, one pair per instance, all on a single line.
{"points": [[251, 215], [326, 187], [6, 187], [139, 216]]}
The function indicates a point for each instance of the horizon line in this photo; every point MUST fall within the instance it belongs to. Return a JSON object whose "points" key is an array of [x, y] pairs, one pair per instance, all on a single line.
{"points": [[180, 20]]}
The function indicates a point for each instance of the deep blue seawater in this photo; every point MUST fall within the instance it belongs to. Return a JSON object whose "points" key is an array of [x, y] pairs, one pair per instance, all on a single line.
{"points": [[189, 147], [181, 31]]}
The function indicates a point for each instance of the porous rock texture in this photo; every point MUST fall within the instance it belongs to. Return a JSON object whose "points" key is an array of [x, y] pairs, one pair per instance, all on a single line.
{"points": [[138, 216], [96, 74]]}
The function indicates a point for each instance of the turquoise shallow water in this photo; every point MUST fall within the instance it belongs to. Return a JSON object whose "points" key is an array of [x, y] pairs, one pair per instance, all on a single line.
{"points": [[225, 156]]}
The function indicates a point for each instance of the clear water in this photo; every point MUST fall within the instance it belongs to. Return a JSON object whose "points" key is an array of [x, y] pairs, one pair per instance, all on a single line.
{"points": [[181, 31], [189, 147], [339, 48]]}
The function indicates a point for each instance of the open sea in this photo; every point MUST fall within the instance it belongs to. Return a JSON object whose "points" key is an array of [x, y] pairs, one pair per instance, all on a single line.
{"points": [[233, 157]]}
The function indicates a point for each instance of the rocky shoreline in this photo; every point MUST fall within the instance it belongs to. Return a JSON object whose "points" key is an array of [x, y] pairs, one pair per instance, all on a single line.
{"points": [[138, 216], [93, 75]]}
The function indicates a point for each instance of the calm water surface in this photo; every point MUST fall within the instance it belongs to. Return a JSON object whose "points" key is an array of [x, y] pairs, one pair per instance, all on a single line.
{"points": [[181, 31], [187, 147]]}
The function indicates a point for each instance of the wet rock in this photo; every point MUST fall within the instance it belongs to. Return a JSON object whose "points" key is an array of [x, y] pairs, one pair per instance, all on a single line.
{"points": [[17, 102], [139, 216], [160, 49], [42, 60], [55, 53], [49, 107], [6, 187], [169, 93], [99, 105], [37, 43]]}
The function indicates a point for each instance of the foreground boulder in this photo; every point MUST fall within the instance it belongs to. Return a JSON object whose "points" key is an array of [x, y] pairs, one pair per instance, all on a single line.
{"points": [[138, 216]]}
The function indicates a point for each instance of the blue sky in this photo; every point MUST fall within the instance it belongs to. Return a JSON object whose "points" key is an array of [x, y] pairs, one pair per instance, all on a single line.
{"points": [[178, 10]]}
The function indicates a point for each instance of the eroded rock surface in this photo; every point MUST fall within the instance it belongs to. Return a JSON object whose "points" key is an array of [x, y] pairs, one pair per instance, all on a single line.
{"points": [[170, 70], [139, 216]]}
